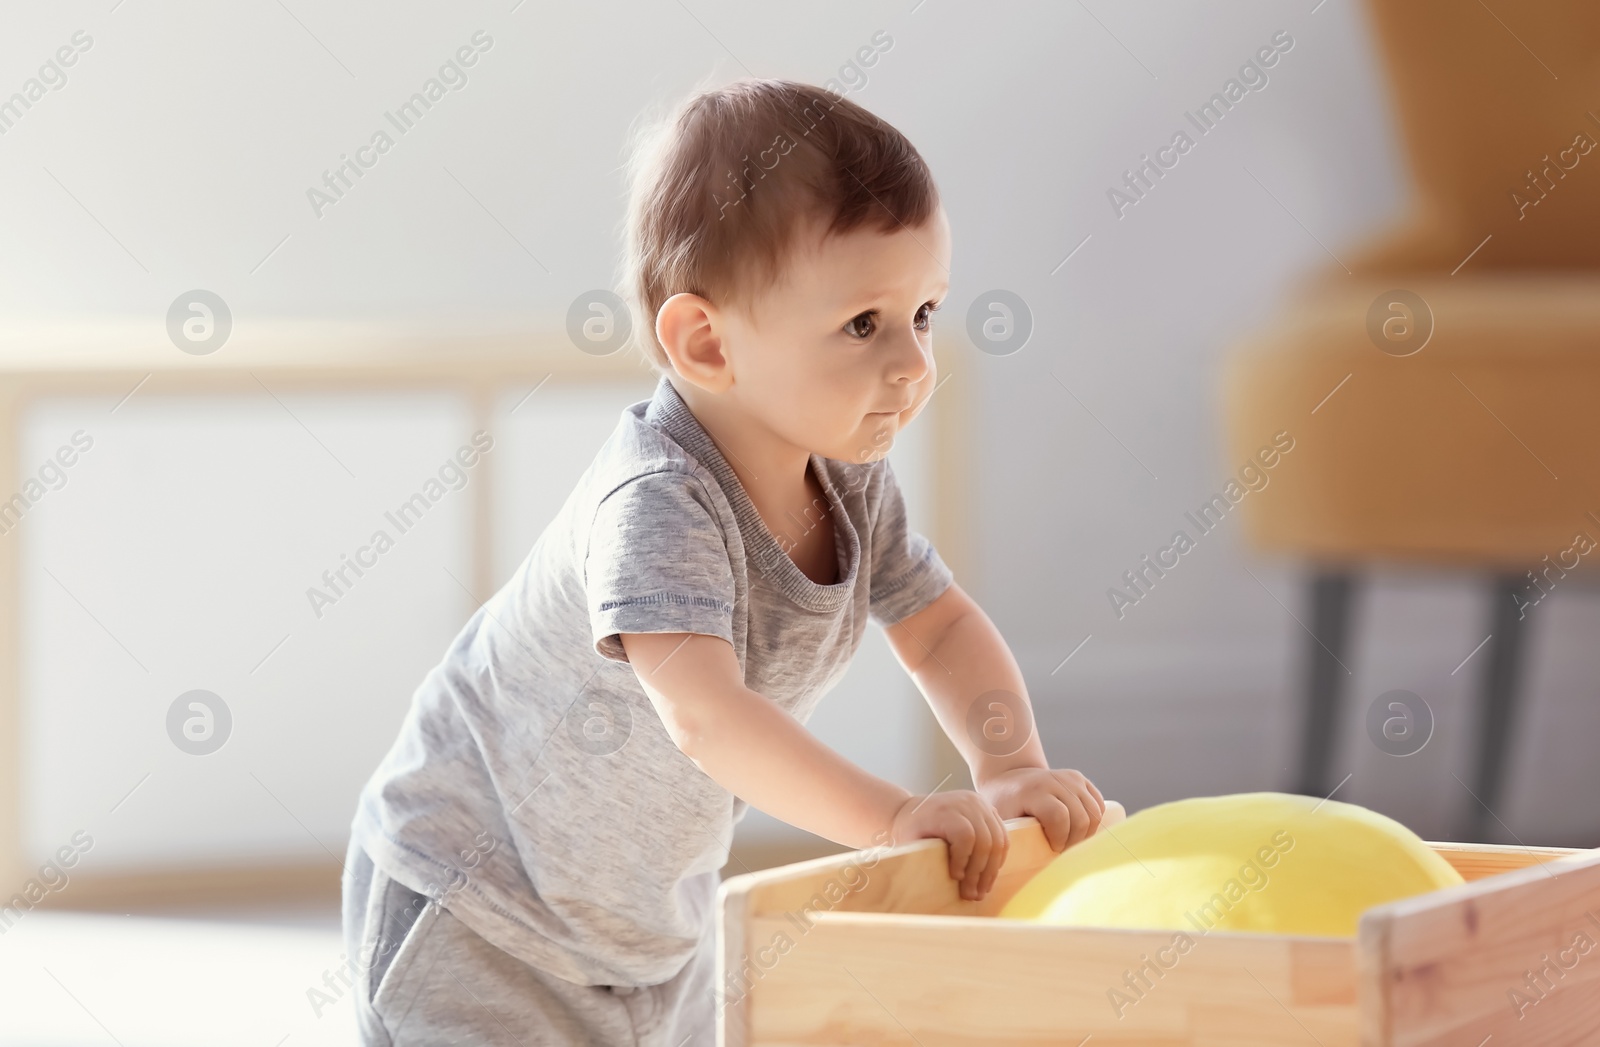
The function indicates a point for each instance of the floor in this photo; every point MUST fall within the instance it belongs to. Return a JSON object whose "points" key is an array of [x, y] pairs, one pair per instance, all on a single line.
{"points": [[208, 977], [241, 977]]}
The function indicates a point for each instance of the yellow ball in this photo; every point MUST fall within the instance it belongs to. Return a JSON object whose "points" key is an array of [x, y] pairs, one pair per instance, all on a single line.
{"points": [[1263, 861]]}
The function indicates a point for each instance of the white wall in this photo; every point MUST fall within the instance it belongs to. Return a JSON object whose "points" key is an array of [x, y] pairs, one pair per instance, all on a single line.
{"points": [[177, 557]]}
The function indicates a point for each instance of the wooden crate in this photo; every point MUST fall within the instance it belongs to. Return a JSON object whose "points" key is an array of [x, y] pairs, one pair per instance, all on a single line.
{"points": [[876, 947]]}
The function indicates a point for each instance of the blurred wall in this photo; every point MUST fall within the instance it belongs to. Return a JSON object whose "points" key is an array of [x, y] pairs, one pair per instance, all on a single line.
{"points": [[183, 146]]}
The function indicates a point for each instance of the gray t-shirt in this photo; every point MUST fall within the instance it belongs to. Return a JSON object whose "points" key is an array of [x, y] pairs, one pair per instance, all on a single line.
{"points": [[533, 790]]}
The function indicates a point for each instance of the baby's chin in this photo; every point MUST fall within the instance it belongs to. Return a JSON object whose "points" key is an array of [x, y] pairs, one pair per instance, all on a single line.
{"points": [[857, 451], [877, 444], [871, 439]]}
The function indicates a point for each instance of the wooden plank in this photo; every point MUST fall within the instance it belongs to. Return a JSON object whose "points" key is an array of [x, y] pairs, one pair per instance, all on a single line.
{"points": [[910, 878], [1515, 956], [301, 883], [868, 978], [1474, 861], [87, 348]]}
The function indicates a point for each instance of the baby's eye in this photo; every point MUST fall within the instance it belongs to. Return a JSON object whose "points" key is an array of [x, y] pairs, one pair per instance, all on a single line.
{"points": [[925, 316], [853, 327]]}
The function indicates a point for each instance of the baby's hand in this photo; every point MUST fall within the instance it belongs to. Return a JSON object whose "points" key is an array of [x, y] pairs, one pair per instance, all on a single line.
{"points": [[977, 837], [1067, 804]]}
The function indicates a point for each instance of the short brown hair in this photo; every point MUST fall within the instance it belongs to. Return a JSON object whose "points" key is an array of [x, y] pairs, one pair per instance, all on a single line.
{"points": [[709, 215]]}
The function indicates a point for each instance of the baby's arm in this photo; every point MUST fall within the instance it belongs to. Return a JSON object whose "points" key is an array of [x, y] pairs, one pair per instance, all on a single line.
{"points": [[957, 656], [756, 750]]}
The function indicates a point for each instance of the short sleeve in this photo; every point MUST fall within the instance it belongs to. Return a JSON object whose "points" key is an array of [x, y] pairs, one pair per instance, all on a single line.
{"points": [[907, 571], [657, 562]]}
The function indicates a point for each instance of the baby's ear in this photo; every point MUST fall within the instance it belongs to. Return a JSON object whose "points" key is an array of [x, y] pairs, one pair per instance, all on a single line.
{"points": [[691, 331]]}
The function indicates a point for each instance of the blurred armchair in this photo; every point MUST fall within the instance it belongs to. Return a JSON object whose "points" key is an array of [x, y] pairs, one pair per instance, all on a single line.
{"points": [[1443, 391]]}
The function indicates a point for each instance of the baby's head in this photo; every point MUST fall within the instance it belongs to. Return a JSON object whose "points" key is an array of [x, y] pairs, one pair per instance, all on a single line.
{"points": [[785, 250]]}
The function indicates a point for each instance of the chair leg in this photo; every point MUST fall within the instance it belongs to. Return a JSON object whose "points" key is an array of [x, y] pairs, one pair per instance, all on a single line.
{"points": [[1330, 594], [1497, 707]]}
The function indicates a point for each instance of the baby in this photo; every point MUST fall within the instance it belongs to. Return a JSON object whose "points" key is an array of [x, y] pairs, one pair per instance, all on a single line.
{"points": [[536, 860]]}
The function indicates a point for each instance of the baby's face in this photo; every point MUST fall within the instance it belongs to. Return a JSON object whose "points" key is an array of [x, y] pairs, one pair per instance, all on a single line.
{"points": [[837, 356]]}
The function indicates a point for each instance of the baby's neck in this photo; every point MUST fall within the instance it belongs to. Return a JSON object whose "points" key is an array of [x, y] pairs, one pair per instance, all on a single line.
{"points": [[774, 472]]}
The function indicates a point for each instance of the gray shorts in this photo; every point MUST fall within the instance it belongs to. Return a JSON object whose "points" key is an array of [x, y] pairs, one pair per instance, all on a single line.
{"points": [[422, 977]]}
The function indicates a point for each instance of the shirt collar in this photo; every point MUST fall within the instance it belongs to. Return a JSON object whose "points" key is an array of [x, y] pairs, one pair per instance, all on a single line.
{"points": [[668, 411]]}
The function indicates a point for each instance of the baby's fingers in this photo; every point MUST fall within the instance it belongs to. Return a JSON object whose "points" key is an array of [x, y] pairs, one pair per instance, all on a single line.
{"points": [[1081, 819], [962, 840], [1099, 798], [977, 862], [1055, 818], [1000, 844]]}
